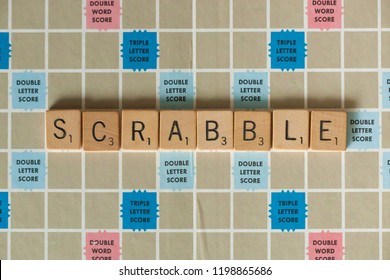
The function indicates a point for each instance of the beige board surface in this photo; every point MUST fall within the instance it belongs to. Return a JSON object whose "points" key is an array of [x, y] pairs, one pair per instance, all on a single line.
{"points": [[213, 41]]}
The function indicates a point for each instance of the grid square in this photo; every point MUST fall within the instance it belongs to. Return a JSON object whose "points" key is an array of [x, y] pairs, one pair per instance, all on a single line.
{"points": [[286, 14], [101, 170], [361, 49], [386, 210], [65, 50], [213, 211], [385, 49], [324, 170], [213, 91], [28, 14], [324, 50], [27, 245], [361, 170], [28, 50], [3, 170], [325, 210], [64, 246], [249, 51], [28, 130], [250, 246], [361, 90], [176, 211], [324, 90], [213, 246], [139, 14], [175, 50], [287, 90], [102, 90], [354, 13], [386, 245], [138, 246], [287, 246], [289, 170], [102, 50], [212, 49], [385, 7], [139, 90], [361, 210], [250, 210], [3, 243], [101, 210], [213, 170], [4, 20], [65, 14], [64, 210], [175, 14], [28, 210], [139, 170], [249, 13], [3, 90], [65, 90], [361, 246], [64, 170], [176, 246], [4, 132], [212, 14]]}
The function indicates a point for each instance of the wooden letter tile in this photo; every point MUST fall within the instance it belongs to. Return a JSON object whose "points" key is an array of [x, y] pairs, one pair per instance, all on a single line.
{"points": [[215, 130], [252, 131], [328, 131], [291, 129], [178, 130], [63, 129], [101, 131], [140, 129]]}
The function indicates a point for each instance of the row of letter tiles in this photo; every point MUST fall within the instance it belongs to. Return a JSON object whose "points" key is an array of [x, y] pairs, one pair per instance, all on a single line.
{"points": [[190, 130]]}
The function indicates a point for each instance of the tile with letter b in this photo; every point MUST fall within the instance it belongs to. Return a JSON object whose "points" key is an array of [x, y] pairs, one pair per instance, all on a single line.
{"points": [[63, 129], [252, 131], [140, 129], [328, 130], [290, 129], [101, 131], [178, 130], [215, 130]]}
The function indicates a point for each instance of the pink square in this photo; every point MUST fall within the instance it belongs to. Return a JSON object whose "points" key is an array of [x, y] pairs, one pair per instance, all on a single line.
{"points": [[324, 14], [102, 246], [325, 246], [103, 15]]}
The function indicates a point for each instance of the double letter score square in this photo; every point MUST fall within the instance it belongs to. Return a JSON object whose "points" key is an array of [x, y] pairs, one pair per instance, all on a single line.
{"points": [[190, 130]]}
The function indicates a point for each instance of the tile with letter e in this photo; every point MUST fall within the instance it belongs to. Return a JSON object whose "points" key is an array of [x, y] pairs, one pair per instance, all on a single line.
{"points": [[63, 129], [328, 130], [140, 129], [291, 129], [215, 130], [101, 131], [178, 130], [252, 131]]}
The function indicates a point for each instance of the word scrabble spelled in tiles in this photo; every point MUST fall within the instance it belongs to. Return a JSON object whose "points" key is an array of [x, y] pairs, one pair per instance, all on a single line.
{"points": [[190, 130]]}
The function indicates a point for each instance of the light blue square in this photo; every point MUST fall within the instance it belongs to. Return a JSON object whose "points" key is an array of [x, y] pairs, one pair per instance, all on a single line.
{"points": [[363, 130], [176, 170], [29, 90], [386, 90], [251, 170], [386, 170], [176, 90], [250, 90], [28, 170]]}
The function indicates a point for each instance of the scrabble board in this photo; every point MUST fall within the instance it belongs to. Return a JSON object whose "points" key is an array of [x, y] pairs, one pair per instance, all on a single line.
{"points": [[194, 55]]}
